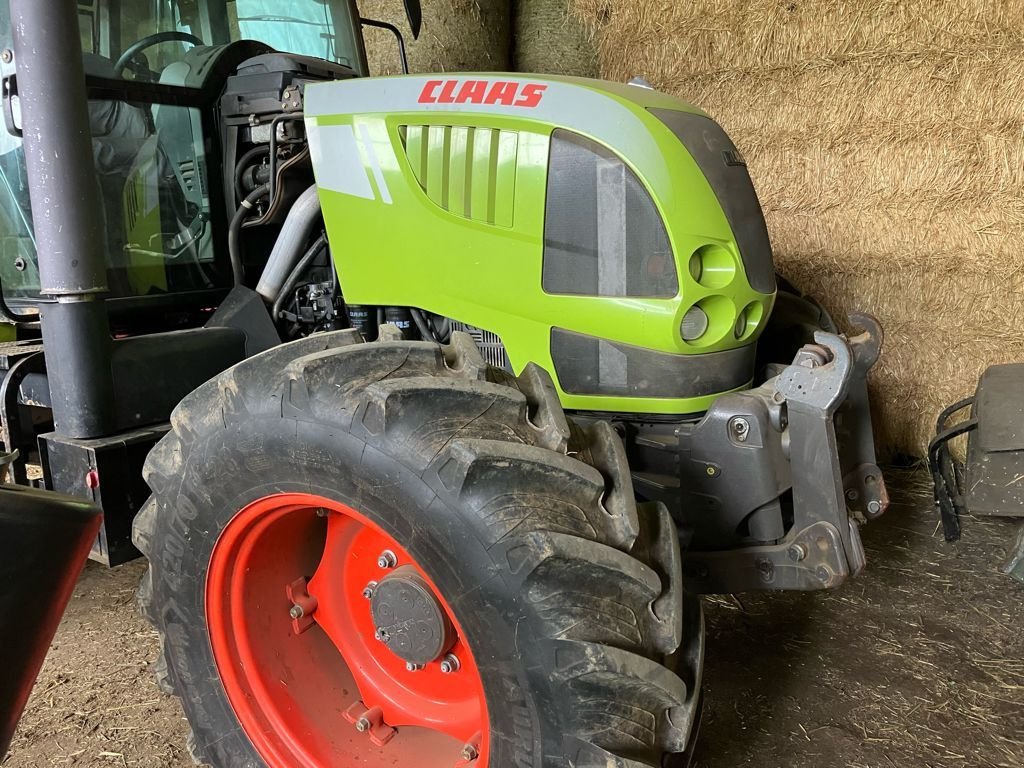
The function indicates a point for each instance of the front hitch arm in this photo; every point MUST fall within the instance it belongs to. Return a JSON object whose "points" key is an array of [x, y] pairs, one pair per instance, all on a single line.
{"points": [[836, 483]]}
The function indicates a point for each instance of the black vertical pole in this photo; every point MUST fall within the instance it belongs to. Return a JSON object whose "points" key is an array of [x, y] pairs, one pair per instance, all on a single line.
{"points": [[66, 213]]}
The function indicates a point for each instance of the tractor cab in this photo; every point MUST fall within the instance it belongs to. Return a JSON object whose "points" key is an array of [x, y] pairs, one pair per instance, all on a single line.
{"points": [[163, 78]]}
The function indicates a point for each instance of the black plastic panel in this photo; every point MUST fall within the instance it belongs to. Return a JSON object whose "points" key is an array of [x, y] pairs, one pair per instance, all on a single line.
{"points": [[726, 172], [587, 365]]}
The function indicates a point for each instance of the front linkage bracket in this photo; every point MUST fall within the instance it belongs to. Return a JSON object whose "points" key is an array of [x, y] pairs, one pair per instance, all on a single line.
{"points": [[824, 391]]}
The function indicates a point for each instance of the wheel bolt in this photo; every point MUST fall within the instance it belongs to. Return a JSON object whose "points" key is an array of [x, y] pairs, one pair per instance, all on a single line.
{"points": [[368, 590], [387, 559], [470, 752], [450, 663], [296, 612], [412, 666]]}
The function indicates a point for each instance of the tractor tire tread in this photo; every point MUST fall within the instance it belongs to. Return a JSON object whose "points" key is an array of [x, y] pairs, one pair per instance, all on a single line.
{"points": [[552, 502]]}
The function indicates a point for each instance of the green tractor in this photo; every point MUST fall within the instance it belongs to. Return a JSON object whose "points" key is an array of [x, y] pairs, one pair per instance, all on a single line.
{"points": [[436, 402]]}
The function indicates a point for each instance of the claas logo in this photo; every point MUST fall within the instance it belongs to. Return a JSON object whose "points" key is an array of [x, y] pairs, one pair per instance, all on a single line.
{"points": [[504, 92]]}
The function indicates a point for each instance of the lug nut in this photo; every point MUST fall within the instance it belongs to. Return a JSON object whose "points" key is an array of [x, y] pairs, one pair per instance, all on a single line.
{"points": [[369, 589], [387, 559], [362, 725], [450, 663], [412, 666], [382, 634], [296, 612], [470, 752], [321, 512]]}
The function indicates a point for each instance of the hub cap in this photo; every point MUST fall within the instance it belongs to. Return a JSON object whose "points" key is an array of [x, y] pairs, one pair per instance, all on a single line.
{"points": [[334, 646], [410, 619]]}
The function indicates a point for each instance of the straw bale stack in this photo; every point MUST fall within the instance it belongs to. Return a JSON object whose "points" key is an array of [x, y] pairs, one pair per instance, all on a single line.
{"points": [[457, 36], [886, 141], [551, 40]]}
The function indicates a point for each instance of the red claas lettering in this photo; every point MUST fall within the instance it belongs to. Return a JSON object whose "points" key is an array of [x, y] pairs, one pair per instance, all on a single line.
{"points": [[504, 92], [531, 95], [427, 94]]}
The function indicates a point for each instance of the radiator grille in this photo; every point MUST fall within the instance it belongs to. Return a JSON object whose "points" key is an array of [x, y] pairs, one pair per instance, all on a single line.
{"points": [[490, 345]]}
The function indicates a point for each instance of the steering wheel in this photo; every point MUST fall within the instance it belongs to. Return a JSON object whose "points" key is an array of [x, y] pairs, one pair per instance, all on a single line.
{"points": [[125, 60]]}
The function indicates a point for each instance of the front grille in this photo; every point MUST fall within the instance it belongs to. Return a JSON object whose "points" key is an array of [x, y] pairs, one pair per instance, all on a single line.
{"points": [[490, 345]]}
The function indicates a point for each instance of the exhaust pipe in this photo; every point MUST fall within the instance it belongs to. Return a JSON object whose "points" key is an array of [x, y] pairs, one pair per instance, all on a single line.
{"points": [[66, 214]]}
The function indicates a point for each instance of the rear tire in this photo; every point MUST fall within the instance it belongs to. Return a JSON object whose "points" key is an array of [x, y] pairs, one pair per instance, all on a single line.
{"points": [[568, 593]]}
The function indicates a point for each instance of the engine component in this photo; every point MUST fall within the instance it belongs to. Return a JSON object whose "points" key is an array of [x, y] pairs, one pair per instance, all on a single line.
{"points": [[489, 344], [290, 244], [363, 319], [401, 318]]}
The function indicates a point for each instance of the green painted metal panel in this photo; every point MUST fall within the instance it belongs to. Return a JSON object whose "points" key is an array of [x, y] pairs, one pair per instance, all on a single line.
{"points": [[416, 149], [462, 230], [458, 176], [484, 163], [437, 164], [505, 178]]}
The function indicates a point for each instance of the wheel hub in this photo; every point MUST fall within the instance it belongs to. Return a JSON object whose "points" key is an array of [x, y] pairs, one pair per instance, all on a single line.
{"points": [[409, 619]]}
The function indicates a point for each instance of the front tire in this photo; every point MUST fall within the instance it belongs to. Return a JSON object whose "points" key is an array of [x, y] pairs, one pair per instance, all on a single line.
{"points": [[565, 597]]}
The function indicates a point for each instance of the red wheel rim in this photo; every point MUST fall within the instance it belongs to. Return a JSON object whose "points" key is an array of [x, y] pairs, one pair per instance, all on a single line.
{"points": [[299, 686]]}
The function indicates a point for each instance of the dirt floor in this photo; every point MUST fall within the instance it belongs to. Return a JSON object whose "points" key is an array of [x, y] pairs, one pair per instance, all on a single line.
{"points": [[919, 663]]}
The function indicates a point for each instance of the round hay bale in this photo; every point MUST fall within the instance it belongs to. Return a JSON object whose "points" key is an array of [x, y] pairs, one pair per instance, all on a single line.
{"points": [[551, 40], [456, 36]]}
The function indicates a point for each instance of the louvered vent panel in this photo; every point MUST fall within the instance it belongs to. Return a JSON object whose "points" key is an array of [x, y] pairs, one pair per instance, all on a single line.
{"points": [[467, 171]]}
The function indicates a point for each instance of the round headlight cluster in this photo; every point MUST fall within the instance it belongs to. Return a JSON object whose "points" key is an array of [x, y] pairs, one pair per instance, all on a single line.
{"points": [[714, 318], [694, 324], [712, 266]]}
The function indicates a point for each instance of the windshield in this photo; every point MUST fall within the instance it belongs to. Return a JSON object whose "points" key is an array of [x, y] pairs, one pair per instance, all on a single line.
{"points": [[144, 38]]}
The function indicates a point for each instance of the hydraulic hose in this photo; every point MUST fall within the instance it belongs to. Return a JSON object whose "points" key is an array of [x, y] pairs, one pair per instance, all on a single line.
{"points": [[235, 231], [426, 332], [243, 165]]}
